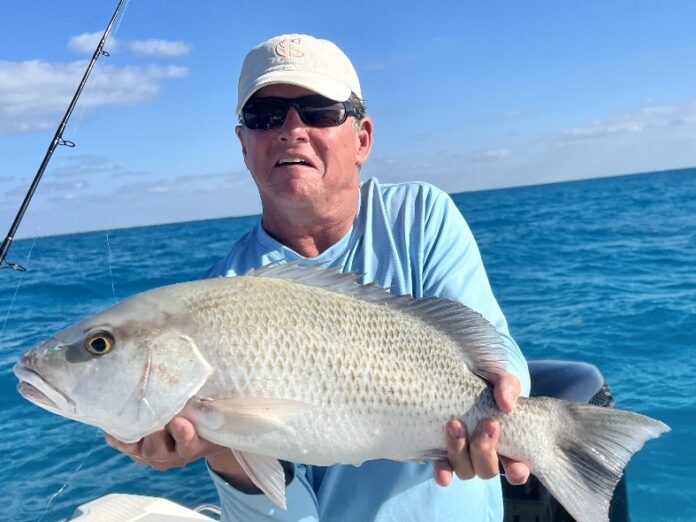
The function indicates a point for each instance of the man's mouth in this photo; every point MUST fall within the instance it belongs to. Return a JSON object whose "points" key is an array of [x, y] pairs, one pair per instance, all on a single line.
{"points": [[292, 161]]}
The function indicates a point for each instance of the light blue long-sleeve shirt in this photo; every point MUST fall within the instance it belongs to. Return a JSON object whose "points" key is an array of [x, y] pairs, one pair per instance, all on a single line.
{"points": [[411, 238]]}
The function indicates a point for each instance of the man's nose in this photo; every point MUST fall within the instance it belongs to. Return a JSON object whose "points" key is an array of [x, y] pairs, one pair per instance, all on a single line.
{"points": [[293, 127]]}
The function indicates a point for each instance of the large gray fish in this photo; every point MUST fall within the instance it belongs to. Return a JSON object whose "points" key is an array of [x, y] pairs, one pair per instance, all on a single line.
{"points": [[282, 363]]}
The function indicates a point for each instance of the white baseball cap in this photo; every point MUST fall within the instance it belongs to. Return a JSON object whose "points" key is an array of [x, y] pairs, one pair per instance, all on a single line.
{"points": [[298, 59]]}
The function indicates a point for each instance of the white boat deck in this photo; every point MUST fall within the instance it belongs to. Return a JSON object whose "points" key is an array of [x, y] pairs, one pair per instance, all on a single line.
{"points": [[136, 508]]}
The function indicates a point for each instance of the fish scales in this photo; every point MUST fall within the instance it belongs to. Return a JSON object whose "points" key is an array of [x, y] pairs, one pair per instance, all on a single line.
{"points": [[376, 369]]}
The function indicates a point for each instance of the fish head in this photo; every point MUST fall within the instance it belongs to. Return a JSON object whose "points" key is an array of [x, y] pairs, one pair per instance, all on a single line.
{"points": [[127, 370]]}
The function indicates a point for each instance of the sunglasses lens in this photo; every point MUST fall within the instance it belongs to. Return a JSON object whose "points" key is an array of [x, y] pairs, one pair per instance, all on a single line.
{"points": [[324, 115], [265, 113], [315, 110]]}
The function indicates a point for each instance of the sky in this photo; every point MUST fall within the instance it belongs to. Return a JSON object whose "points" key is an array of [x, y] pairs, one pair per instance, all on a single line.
{"points": [[468, 95]]}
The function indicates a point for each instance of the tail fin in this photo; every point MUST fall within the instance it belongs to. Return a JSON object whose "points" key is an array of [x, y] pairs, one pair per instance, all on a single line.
{"points": [[592, 451]]}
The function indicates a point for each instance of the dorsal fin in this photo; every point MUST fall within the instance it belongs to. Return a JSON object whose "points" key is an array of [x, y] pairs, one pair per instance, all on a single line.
{"points": [[480, 343]]}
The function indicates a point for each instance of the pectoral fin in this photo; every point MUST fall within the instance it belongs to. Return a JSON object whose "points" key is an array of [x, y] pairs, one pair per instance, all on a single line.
{"points": [[250, 415], [266, 473]]}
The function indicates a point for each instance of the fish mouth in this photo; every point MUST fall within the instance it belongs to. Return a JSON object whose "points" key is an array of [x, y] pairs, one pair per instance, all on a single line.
{"points": [[36, 389]]}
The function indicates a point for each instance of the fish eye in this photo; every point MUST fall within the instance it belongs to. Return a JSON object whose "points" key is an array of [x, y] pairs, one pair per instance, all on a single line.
{"points": [[99, 343]]}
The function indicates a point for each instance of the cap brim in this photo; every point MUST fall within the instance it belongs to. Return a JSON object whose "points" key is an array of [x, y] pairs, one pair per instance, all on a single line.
{"points": [[315, 82]]}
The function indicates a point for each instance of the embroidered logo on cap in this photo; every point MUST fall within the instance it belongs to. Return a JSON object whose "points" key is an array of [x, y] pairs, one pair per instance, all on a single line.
{"points": [[288, 49]]}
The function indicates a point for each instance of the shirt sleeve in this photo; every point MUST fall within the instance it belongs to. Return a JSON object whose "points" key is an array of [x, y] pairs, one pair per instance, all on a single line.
{"points": [[453, 268], [242, 507]]}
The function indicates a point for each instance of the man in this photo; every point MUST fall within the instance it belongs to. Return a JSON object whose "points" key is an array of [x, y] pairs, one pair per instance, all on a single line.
{"points": [[304, 137]]}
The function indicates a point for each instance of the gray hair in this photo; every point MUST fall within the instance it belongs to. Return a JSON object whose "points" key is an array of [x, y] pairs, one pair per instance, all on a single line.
{"points": [[360, 109], [359, 105]]}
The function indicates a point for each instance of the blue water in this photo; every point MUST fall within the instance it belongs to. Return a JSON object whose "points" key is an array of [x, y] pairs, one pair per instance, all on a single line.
{"points": [[602, 271]]}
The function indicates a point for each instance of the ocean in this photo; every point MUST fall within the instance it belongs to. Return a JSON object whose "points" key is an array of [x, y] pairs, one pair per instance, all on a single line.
{"points": [[602, 271]]}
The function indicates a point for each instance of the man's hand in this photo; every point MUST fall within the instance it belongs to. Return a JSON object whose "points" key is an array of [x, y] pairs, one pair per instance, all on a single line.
{"points": [[177, 445], [172, 447], [476, 456]]}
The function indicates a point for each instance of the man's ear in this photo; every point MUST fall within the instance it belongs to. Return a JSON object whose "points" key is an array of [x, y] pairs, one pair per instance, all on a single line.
{"points": [[240, 136], [364, 137]]}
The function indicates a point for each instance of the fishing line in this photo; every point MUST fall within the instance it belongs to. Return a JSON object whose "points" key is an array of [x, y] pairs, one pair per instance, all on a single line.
{"points": [[118, 22], [67, 481], [16, 292], [108, 262], [112, 43]]}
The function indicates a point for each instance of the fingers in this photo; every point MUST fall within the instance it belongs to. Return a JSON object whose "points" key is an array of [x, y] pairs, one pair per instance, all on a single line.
{"points": [[187, 444], [174, 446], [131, 449], [159, 451], [506, 390], [442, 472], [124, 447], [466, 458], [484, 458], [458, 451], [516, 473], [477, 456], [457, 455]]}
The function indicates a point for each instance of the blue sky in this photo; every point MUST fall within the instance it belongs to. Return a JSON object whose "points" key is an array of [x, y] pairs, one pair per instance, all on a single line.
{"points": [[466, 95]]}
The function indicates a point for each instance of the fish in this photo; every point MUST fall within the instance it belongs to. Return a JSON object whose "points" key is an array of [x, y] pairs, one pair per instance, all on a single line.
{"points": [[282, 362]]}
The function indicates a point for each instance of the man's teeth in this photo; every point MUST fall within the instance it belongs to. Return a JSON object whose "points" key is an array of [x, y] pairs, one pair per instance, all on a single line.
{"points": [[286, 161]]}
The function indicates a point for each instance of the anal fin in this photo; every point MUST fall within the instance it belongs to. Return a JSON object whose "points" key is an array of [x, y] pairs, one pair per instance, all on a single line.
{"points": [[429, 455], [266, 473]]}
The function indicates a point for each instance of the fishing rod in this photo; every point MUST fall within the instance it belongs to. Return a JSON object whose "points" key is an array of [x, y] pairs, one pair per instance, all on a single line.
{"points": [[57, 140]]}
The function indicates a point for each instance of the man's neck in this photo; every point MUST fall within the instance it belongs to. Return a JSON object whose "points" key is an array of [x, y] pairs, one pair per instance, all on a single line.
{"points": [[310, 231]]}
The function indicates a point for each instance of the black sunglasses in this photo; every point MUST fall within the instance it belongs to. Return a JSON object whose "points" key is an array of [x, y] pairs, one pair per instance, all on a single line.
{"points": [[314, 110]]}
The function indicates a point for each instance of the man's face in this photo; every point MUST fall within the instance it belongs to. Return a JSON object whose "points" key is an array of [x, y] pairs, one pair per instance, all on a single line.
{"points": [[329, 156]]}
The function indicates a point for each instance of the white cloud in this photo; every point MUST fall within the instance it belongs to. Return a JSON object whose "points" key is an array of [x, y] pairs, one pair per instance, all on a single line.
{"points": [[155, 199], [86, 43], [604, 128], [373, 67], [155, 47], [490, 154], [158, 189], [34, 94], [384, 160], [51, 187], [186, 185], [86, 164], [645, 118]]}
